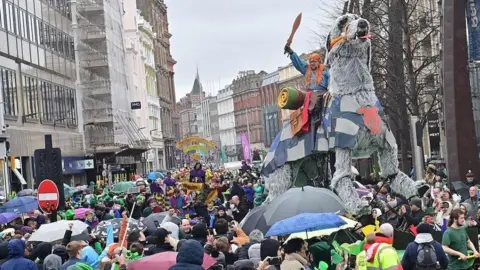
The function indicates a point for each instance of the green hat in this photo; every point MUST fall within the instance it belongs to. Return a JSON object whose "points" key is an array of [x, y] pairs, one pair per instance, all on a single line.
{"points": [[322, 266], [120, 201], [140, 198], [70, 214], [93, 201]]}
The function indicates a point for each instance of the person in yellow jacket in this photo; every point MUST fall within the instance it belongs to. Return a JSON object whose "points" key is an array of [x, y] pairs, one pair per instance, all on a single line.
{"points": [[378, 251]]}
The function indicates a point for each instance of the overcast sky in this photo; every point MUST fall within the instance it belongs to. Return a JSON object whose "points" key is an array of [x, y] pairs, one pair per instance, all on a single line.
{"points": [[223, 37]]}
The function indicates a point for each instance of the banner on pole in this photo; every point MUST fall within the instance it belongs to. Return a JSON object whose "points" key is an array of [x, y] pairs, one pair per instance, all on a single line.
{"points": [[473, 21], [245, 147]]}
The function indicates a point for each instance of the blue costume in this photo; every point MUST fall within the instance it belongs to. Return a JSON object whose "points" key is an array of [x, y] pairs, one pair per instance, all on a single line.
{"points": [[302, 66]]}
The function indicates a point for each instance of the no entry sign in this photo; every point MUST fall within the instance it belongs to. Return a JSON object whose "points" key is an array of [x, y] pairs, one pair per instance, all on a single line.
{"points": [[48, 197]]}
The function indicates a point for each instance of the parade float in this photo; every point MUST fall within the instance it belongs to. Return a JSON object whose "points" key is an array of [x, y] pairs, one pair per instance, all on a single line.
{"points": [[336, 118]]}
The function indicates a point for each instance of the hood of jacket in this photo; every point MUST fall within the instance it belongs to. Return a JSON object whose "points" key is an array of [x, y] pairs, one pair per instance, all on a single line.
{"points": [[191, 252], [90, 256], [254, 252], [16, 248], [52, 262], [200, 231], [4, 253], [43, 250], [423, 238]]}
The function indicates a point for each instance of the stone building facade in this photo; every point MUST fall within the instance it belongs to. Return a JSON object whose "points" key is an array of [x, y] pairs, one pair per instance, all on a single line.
{"points": [[155, 11], [248, 107]]}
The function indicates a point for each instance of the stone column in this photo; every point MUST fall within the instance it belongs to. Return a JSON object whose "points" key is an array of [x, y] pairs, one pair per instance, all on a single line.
{"points": [[461, 145]]}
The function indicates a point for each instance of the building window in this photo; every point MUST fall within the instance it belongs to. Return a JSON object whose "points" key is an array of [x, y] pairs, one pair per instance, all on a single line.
{"points": [[23, 24], [59, 105], [72, 48], [11, 16], [45, 39], [39, 31], [9, 91], [2, 14], [46, 90], [32, 35], [53, 40], [71, 102], [30, 97], [61, 38]]}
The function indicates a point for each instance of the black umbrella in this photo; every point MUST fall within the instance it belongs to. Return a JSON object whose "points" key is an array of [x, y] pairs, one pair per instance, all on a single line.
{"points": [[462, 189], [255, 220], [303, 200], [84, 236], [149, 221], [133, 225]]}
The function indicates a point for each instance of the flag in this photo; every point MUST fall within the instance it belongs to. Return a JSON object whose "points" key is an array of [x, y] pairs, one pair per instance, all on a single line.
{"points": [[245, 147]]}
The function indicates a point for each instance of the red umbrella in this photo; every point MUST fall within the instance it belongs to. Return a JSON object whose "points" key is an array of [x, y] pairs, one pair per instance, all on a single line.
{"points": [[164, 260]]}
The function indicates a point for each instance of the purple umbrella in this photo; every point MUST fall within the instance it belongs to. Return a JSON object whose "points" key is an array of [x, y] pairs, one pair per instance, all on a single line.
{"points": [[80, 212], [7, 217]]}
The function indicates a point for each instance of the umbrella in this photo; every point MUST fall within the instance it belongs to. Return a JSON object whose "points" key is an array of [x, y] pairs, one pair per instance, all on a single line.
{"points": [[164, 260], [55, 231], [462, 189], [325, 232], [303, 200], [255, 220], [80, 212], [123, 187], [26, 192], [20, 205], [154, 176], [68, 190], [149, 221], [133, 225], [7, 217], [305, 222]]}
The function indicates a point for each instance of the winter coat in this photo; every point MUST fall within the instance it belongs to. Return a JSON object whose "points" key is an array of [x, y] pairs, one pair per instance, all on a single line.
{"points": [[189, 257], [4, 254], [242, 251], [16, 248], [444, 215], [41, 252], [410, 255]]}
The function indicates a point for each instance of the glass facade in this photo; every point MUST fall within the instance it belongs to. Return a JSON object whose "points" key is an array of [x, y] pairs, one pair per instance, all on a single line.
{"points": [[38, 71]]}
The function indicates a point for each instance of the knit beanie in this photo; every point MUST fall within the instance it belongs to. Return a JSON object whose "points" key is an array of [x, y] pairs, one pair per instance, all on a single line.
{"points": [[424, 228]]}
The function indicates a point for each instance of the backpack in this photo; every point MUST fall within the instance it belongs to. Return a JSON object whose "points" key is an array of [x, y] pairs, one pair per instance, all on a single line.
{"points": [[426, 257]]}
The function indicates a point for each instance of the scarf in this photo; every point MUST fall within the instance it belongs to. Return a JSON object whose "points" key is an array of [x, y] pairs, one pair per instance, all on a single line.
{"points": [[296, 257], [423, 238]]}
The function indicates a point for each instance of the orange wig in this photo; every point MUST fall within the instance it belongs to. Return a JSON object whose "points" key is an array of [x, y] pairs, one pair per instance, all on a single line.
{"points": [[318, 71]]}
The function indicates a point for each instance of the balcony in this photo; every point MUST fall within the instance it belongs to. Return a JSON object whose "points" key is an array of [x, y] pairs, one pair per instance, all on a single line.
{"points": [[98, 115], [98, 65], [97, 88], [89, 8], [92, 34]]}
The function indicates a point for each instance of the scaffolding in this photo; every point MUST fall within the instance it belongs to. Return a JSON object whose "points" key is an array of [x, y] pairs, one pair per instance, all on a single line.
{"points": [[99, 45]]}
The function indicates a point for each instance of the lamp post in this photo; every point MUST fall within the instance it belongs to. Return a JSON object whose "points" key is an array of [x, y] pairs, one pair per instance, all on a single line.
{"points": [[155, 150], [143, 158]]}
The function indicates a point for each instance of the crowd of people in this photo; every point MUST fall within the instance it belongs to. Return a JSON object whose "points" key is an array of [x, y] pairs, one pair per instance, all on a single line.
{"points": [[204, 212]]}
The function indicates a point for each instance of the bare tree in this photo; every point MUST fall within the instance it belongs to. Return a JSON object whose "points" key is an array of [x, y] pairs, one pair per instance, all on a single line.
{"points": [[405, 57], [406, 63]]}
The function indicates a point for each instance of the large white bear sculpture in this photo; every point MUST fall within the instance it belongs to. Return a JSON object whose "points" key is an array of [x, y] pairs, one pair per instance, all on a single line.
{"points": [[354, 122]]}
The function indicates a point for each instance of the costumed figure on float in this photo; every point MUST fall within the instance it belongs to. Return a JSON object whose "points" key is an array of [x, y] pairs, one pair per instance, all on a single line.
{"points": [[351, 121]]}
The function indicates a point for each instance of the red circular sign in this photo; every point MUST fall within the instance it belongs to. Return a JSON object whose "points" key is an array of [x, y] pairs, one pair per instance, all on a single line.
{"points": [[48, 197]]}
